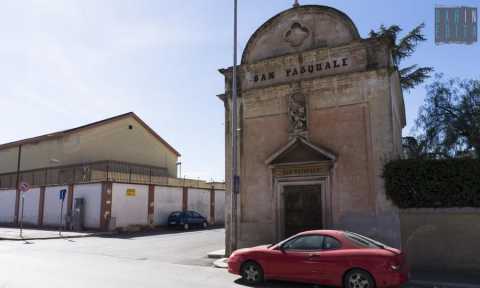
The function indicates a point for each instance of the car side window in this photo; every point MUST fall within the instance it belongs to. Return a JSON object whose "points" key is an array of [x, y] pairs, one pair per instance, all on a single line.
{"points": [[330, 243], [360, 241], [305, 243], [196, 215]]}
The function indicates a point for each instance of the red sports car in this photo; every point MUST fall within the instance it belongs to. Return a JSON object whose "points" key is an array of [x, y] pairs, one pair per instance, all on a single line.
{"points": [[327, 257]]}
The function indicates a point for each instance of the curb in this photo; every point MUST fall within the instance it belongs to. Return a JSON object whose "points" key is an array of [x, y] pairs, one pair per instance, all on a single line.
{"points": [[219, 254], [58, 237], [221, 263], [438, 284]]}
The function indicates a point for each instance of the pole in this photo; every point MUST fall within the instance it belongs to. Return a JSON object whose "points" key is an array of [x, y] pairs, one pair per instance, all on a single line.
{"points": [[234, 179], [17, 184], [21, 218], [61, 218]]}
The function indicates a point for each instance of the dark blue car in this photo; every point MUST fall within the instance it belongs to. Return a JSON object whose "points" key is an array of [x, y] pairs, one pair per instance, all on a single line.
{"points": [[187, 219]]}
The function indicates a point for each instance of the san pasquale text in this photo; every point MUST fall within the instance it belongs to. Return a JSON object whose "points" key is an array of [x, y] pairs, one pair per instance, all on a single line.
{"points": [[304, 69]]}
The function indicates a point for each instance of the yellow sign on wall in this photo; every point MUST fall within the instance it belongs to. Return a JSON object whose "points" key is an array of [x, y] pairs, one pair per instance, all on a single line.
{"points": [[131, 192]]}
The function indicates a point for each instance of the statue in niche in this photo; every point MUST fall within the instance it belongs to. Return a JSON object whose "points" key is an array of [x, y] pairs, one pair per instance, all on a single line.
{"points": [[297, 114]]}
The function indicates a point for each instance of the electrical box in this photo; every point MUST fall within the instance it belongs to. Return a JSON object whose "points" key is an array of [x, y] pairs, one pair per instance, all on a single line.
{"points": [[78, 214]]}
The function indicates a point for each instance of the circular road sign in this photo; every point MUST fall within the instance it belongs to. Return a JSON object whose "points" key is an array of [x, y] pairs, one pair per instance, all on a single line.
{"points": [[24, 186]]}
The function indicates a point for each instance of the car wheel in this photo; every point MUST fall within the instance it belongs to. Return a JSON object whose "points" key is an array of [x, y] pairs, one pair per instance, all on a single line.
{"points": [[186, 226], [252, 273], [357, 278], [205, 225]]}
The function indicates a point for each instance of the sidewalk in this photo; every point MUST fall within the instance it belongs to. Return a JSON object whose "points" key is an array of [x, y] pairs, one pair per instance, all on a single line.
{"points": [[443, 280], [37, 234]]}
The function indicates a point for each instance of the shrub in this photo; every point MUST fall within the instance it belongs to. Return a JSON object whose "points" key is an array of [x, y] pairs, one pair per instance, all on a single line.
{"points": [[419, 183]]}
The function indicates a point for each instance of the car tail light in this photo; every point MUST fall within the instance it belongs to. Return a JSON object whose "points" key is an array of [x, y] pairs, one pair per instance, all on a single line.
{"points": [[396, 264], [395, 267]]}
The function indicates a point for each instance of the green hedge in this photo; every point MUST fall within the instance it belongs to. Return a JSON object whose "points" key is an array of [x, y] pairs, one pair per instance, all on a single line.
{"points": [[433, 183]]}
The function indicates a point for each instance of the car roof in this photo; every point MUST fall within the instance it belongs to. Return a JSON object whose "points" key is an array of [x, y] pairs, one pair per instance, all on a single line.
{"points": [[323, 232]]}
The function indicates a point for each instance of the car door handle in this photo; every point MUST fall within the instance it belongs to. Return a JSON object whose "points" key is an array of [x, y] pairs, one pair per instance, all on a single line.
{"points": [[314, 257]]}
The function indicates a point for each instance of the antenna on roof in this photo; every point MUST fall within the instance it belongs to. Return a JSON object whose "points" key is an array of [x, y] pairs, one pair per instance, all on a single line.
{"points": [[296, 4]]}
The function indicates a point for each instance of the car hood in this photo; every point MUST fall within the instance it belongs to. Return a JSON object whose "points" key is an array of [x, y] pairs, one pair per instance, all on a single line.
{"points": [[393, 250], [251, 249]]}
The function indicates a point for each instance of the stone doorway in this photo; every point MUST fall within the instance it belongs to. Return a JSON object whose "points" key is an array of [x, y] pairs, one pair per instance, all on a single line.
{"points": [[303, 208]]}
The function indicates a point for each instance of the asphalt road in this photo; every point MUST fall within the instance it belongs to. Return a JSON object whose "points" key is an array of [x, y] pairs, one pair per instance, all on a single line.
{"points": [[164, 260], [175, 259]]}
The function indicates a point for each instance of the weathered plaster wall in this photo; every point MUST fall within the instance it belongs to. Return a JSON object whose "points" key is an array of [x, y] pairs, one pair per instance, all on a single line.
{"points": [[129, 210], [7, 206], [126, 210], [442, 239], [91, 193], [219, 207], [167, 200], [30, 213], [51, 213], [199, 201]]}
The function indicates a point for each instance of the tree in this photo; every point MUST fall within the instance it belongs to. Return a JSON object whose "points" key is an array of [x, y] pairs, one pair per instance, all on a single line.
{"points": [[449, 120], [413, 75], [412, 148]]}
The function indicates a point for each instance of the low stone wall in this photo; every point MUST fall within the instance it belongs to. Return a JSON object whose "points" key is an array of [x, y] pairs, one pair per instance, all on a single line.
{"points": [[446, 240]]}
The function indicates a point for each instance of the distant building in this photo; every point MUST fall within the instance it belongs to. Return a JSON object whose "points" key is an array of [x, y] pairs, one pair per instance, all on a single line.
{"points": [[118, 172], [124, 138]]}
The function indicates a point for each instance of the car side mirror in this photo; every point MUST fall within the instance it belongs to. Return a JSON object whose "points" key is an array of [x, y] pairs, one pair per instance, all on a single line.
{"points": [[282, 249]]}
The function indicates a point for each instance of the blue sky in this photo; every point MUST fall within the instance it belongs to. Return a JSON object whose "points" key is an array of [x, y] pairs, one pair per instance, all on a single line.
{"points": [[68, 63]]}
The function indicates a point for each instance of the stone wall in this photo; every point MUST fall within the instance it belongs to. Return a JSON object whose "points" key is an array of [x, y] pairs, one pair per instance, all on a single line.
{"points": [[444, 240]]}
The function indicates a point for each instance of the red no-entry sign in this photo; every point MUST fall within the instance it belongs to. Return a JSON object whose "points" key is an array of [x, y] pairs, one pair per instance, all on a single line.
{"points": [[24, 187]]}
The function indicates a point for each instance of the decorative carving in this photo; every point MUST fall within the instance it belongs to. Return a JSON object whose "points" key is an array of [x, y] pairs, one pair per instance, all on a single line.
{"points": [[297, 114], [297, 34]]}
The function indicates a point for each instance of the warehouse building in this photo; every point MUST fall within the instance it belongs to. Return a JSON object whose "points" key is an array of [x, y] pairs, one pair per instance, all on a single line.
{"points": [[119, 173]]}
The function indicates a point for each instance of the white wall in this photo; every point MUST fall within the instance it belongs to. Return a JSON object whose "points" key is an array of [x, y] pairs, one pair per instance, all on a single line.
{"points": [[220, 207], [129, 210], [30, 210], [52, 206], [167, 200], [7, 206], [92, 195], [199, 201]]}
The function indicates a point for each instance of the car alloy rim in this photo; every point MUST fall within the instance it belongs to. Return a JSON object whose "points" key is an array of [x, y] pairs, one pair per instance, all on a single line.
{"points": [[251, 273], [357, 280]]}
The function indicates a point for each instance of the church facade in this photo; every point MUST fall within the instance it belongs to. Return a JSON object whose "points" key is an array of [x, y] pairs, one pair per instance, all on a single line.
{"points": [[320, 112]]}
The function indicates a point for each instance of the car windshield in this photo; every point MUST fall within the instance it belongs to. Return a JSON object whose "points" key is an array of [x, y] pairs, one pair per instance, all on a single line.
{"points": [[364, 241]]}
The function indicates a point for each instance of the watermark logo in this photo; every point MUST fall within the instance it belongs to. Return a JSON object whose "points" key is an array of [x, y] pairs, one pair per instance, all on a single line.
{"points": [[457, 25]]}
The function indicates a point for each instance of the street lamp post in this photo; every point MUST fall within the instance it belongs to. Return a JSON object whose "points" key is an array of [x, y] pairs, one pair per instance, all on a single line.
{"points": [[17, 187], [235, 178]]}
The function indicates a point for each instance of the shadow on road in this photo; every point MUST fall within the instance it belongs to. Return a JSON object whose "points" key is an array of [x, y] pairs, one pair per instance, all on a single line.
{"points": [[155, 232], [279, 284]]}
